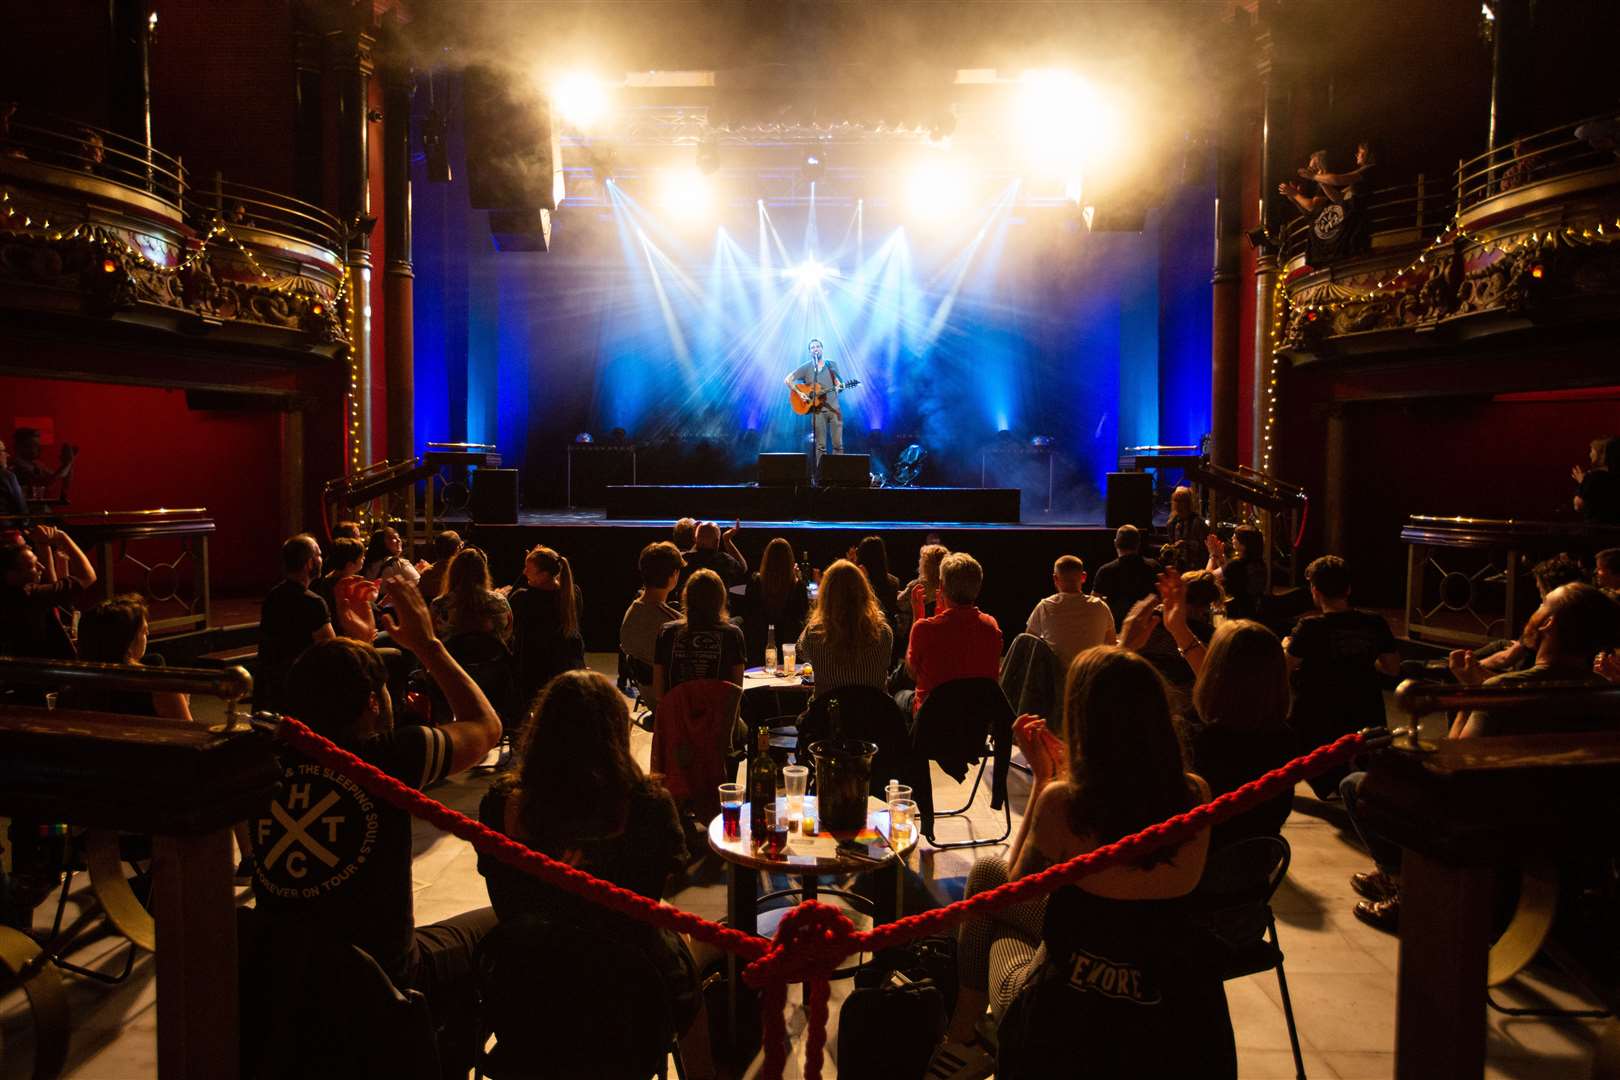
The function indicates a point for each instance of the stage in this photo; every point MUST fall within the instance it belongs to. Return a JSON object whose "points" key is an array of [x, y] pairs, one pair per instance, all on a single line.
{"points": [[754, 502], [1017, 557]]}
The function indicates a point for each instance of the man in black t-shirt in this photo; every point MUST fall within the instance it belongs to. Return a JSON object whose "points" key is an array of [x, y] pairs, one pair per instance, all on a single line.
{"points": [[292, 619], [1128, 578], [1338, 658], [717, 551], [331, 858]]}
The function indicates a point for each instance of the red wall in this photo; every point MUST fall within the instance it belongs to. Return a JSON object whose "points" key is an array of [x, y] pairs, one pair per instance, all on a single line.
{"points": [[143, 449]]}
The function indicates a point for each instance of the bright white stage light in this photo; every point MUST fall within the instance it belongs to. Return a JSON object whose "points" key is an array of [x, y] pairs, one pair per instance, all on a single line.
{"points": [[811, 273], [937, 189], [579, 98], [687, 190], [1064, 123]]}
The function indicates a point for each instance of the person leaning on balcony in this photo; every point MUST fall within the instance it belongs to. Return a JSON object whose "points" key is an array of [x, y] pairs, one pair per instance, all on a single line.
{"points": [[1598, 498]]}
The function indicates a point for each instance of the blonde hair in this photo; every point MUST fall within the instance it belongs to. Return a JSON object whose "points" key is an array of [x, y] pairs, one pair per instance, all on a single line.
{"points": [[704, 600], [928, 560], [1243, 683], [847, 610], [961, 577]]}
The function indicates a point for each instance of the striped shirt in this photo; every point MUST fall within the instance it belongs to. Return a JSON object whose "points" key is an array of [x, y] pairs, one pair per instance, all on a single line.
{"points": [[867, 665]]}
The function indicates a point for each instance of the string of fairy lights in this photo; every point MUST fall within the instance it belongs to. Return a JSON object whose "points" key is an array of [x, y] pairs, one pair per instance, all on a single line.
{"points": [[291, 286]]}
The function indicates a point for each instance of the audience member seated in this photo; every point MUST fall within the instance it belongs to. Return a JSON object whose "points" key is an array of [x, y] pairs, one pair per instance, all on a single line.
{"points": [[445, 546], [114, 632], [1573, 626], [1606, 572], [1187, 529], [1499, 656], [717, 551], [1242, 576], [1069, 620], [776, 597], [917, 599], [34, 592], [872, 556], [33, 474], [1338, 657], [660, 566], [385, 558], [847, 640], [348, 530], [13, 500], [469, 603], [1129, 577], [1036, 965], [684, 534], [959, 641], [1242, 732], [702, 643], [335, 861], [1199, 593], [545, 613], [575, 793], [291, 619], [347, 560], [1598, 497]]}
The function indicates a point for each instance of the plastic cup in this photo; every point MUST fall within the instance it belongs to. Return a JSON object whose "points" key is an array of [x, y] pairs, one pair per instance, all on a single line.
{"points": [[790, 659], [902, 822], [731, 804], [794, 779], [774, 842], [893, 791]]}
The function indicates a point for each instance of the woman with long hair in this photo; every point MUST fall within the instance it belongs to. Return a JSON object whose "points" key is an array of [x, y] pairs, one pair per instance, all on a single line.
{"points": [[545, 613], [385, 557], [1242, 699], [469, 603], [575, 793], [847, 640], [872, 556], [1103, 968], [703, 643], [115, 632], [776, 596], [1597, 491]]}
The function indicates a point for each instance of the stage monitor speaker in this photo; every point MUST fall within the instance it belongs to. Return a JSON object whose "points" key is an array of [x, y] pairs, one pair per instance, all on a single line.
{"points": [[514, 157], [1130, 499], [846, 470], [494, 497], [784, 470]]}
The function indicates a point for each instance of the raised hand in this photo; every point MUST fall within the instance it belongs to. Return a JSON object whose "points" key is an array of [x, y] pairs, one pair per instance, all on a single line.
{"points": [[1465, 668], [354, 616], [411, 625], [1044, 751]]}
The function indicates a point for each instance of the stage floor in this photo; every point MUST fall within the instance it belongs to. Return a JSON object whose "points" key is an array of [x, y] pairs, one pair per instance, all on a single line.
{"points": [[582, 516]]}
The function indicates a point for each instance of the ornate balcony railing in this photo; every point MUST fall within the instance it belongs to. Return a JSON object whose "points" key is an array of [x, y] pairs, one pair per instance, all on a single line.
{"points": [[86, 151]]}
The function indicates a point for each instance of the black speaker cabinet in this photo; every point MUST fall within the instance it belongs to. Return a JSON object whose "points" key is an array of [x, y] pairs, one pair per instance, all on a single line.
{"points": [[784, 470], [1130, 499], [846, 470], [514, 153], [494, 497]]}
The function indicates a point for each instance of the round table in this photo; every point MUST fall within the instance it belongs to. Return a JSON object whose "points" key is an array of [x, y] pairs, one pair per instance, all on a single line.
{"points": [[805, 857], [772, 697]]}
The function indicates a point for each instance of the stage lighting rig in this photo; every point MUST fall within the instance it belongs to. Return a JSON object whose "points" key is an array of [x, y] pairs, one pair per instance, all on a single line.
{"points": [[580, 99], [815, 165]]}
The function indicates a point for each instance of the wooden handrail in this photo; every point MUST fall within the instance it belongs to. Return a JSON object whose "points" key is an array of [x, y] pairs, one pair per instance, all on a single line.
{"points": [[231, 685]]}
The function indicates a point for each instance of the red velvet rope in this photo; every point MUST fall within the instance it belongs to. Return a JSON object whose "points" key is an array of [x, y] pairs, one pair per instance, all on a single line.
{"points": [[813, 939]]}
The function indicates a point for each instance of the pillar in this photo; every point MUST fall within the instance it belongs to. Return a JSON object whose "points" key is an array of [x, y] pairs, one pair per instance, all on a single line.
{"points": [[399, 87], [1266, 268], [309, 120], [1511, 72], [131, 97], [1223, 350], [350, 54]]}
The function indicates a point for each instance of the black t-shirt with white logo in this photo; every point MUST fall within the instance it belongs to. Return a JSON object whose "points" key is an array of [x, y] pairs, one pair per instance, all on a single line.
{"points": [[330, 854], [688, 652]]}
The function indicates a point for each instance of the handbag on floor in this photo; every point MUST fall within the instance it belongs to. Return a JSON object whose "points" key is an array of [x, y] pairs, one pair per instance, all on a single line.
{"points": [[888, 1032]]}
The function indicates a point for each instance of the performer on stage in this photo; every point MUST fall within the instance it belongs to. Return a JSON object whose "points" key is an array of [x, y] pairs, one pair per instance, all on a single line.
{"points": [[827, 422]]}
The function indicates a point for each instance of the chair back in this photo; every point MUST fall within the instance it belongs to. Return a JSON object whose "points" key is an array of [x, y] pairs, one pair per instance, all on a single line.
{"points": [[693, 735], [961, 714], [1233, 898], [1032, 677], [866, 713], [314, 1008], [488, 662], [568, 1000]]}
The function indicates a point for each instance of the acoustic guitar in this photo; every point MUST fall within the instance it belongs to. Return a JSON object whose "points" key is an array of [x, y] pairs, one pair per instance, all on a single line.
{"points": [[816, 394]]}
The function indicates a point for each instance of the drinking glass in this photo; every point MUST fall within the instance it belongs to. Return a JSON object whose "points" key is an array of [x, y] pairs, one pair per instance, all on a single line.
{"points": [[731, 804], [794, 778], [893, 791], [790, 660], [774, 842], [902, 822]]}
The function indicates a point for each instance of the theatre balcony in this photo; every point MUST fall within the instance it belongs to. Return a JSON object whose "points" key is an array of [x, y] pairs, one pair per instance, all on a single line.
{"points": [[105, 239], [1517, 239]]}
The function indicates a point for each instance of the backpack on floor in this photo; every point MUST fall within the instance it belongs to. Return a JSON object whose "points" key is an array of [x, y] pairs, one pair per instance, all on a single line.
{"points": [[890, 1024]]}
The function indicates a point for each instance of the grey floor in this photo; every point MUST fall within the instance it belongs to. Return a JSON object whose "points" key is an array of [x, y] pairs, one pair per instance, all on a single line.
{"points": [[1340, 972]]}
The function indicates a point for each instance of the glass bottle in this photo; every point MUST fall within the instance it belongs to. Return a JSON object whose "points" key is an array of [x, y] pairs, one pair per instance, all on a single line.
{"points": [[761, 783], [770, 650]]}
